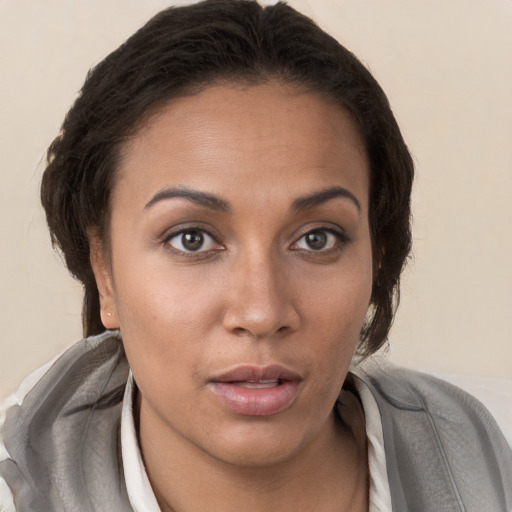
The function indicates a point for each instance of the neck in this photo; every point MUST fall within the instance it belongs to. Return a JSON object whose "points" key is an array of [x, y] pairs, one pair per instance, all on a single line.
{"points": [[330, 474]]}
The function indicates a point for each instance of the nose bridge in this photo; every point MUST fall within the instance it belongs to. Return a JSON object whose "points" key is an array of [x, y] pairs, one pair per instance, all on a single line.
{"points": [[261, 298]]}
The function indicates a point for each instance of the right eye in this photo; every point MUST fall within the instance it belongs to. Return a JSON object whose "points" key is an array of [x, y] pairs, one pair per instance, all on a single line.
{"points": [[192, 240]]}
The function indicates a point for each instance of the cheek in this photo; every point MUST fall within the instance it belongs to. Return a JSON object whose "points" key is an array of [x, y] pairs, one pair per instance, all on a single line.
{"points": [[165, 316], [152, 293], [344, 295], [337, 312]]}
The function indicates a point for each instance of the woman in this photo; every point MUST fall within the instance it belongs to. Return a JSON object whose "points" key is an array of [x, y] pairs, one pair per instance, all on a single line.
{"points": [[233, 192]]}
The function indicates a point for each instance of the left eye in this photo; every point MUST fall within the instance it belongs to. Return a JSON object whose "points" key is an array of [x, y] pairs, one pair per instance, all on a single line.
{"points": [[317, 240], [192, 240]]}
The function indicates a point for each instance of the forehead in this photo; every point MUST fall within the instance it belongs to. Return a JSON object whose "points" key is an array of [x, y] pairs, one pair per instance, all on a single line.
{"points": [[240, 139]]}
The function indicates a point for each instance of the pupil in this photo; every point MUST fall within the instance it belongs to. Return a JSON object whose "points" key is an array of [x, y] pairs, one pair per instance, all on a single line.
{"points": [[192, 240], [316, 240]]}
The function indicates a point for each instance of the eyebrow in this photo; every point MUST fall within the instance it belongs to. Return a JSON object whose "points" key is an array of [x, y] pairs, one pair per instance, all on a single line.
{"points": [[202, 198], [322, 196], [216, 203]]}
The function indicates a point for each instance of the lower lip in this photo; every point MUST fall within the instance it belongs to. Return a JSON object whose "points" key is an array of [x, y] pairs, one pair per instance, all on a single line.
{"points": [[256, 402]]}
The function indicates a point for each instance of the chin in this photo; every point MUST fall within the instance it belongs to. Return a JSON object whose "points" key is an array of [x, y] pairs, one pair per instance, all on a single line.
{"points": [[260, 444]]}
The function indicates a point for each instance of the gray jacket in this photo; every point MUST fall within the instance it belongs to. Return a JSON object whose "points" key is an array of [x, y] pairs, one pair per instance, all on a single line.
{"points": [[444, 451]]}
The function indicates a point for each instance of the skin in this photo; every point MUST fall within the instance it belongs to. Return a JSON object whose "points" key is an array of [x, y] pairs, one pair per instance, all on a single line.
{"points": [[256, 293]]}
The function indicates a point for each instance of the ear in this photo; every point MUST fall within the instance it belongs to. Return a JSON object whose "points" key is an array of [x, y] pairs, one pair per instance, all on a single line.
{"points": [[103, 275]]}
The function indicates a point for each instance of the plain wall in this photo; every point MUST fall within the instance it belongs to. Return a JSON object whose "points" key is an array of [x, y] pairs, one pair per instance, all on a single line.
{"points": [[446, 67]]}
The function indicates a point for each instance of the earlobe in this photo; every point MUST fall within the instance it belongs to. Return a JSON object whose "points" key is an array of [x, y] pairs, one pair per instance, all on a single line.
{"points": [[378, 258], [102, 274]]}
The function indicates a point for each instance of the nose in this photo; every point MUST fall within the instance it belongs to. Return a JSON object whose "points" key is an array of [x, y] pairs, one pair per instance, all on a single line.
{"points": [[260, 299]]}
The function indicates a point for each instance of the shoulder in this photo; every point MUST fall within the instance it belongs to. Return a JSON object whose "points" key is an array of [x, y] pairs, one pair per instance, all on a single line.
{"points": [[403, 389], [408, 388], [442, 445], [439, 437], [494, 393], [71, 403]]}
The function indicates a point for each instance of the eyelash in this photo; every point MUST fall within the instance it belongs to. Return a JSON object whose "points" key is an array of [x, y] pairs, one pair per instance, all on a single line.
{"points": [[341, 240], [191, 254]]}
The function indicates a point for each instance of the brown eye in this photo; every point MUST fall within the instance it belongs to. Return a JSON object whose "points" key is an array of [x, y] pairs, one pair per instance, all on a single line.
{"points": [[192, 240], [317, 240]]}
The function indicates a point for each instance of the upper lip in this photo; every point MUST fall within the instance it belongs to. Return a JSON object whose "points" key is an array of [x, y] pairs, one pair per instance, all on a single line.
{"points": [[254, 373]]}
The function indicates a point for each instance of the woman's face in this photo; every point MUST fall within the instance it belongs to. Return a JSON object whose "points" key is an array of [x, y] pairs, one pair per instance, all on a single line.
{"points": [[240, 268]]}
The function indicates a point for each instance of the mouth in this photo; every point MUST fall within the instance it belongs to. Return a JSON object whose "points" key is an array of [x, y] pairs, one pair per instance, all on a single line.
{"points": [[259, 384], [256, 391]]}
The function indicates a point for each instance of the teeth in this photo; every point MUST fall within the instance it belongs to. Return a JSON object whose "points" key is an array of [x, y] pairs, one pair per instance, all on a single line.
{"points": [[258, 384]]}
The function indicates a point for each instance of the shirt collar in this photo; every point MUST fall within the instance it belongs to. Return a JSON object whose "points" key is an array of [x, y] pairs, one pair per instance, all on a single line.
{"points": [[140, 493]]}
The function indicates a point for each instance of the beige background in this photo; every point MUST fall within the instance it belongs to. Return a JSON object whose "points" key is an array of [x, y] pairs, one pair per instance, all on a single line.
{"points": [[446, 66]]}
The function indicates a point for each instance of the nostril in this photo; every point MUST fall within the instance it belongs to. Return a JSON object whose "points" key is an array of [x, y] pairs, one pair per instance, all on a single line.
{"points": [[240, 331]]}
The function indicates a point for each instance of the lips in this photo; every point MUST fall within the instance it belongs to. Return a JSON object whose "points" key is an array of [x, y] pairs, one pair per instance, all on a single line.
{"points": [[256, 391]]}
